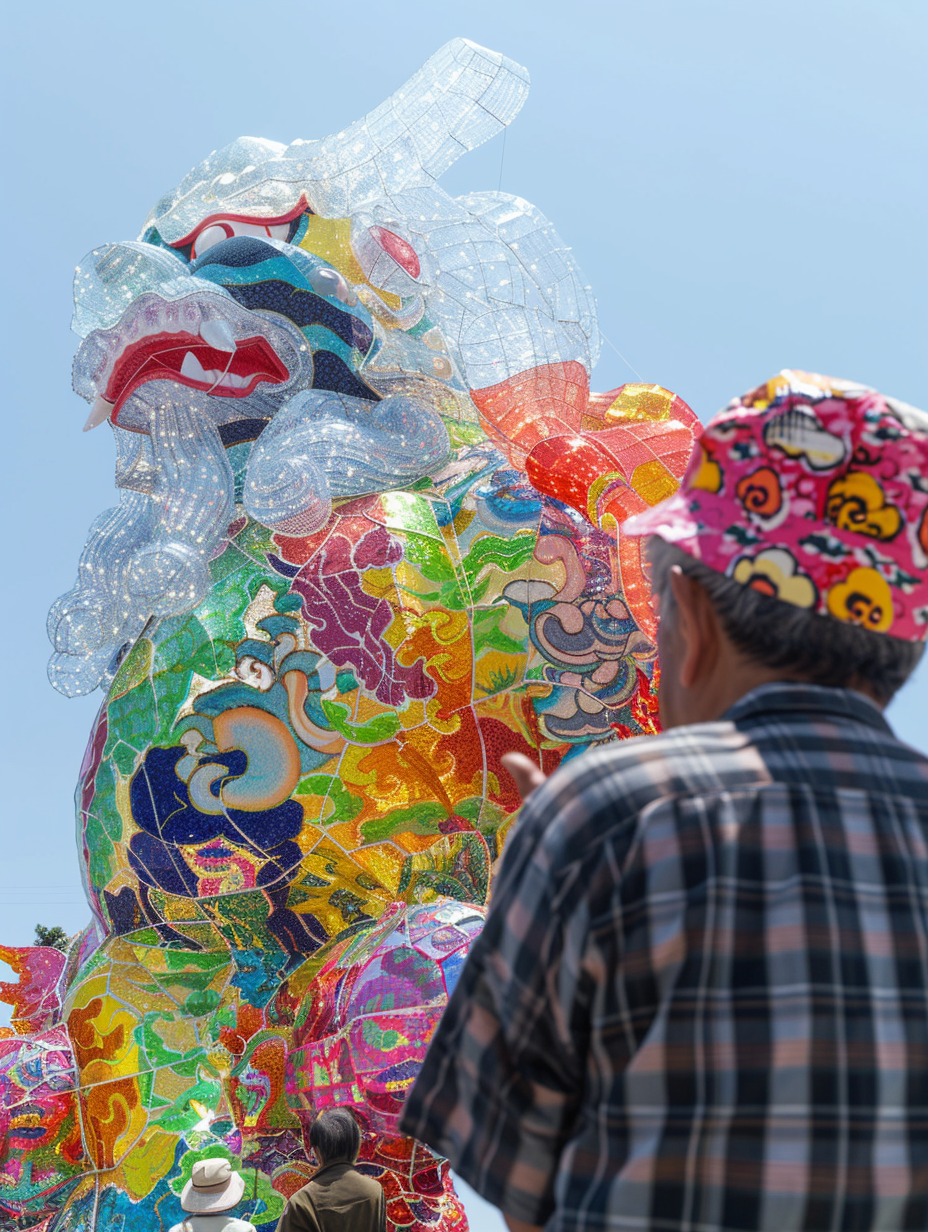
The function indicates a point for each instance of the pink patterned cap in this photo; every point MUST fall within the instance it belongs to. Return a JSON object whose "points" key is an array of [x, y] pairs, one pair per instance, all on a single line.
{"points": [[815, 491]]}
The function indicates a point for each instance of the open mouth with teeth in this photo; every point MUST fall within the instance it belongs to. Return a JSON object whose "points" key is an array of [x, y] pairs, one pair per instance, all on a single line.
{"points": [[189, 360]]}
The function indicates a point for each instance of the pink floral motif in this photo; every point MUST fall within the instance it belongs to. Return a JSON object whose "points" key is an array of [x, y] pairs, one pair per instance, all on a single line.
{"points": [[349, 623]]}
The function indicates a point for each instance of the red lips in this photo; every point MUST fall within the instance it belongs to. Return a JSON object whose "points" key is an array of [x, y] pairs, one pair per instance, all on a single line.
{"points": [[188, 360]]}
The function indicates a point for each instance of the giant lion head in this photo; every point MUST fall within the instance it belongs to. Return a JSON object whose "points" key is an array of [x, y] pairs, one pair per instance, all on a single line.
{"points": [[302, 323]]}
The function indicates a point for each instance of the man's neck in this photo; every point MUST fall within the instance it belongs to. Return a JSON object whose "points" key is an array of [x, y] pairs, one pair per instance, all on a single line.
{"points": [[726, 687]]}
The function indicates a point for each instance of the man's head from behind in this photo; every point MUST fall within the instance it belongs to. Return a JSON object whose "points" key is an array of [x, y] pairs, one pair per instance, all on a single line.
{"points": [[335, 1137], [796, 548]]}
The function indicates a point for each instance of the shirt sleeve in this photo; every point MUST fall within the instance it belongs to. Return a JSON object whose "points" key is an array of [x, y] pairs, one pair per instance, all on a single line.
{"points": [[500, 1086]]}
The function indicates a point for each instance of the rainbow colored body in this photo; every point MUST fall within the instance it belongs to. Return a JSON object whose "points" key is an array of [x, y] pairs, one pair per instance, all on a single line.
{"points": [[329, 601]]}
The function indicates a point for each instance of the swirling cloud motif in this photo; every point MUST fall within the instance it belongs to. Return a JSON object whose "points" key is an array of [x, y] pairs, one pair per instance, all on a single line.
{"points": [[760, 492], [857, 502], [202, 846], [774, 572], [800, 435], [585, 633], [863, 598]]}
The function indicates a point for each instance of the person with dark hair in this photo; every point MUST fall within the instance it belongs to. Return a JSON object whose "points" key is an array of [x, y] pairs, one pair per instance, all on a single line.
{"points": [[700, 1000], [339, 1198]]}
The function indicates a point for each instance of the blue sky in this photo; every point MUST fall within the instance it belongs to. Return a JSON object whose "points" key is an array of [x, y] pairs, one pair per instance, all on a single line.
{"points": [[744, 183]]}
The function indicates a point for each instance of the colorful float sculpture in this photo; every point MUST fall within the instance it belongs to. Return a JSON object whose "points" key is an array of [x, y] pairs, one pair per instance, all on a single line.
{"points": [[365, 544]]}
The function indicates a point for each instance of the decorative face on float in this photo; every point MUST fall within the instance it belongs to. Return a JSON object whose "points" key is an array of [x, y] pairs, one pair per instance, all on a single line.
{"points": [[328, 601], [41, 1143]]}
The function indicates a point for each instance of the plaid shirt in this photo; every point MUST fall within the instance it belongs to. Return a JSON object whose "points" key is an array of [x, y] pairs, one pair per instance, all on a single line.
{"points": [[700, 1000]]}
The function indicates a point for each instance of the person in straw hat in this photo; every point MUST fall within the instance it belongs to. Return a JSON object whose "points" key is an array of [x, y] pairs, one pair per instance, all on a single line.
{"points": [[700, 1000], [210, 1194]]}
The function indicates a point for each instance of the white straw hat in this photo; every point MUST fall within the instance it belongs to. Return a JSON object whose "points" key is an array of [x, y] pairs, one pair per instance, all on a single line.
{"points": [[213, 1187]]}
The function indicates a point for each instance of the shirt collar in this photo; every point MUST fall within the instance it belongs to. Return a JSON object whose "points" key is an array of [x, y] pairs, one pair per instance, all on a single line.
{"points": [[332, 1163], [795, 698]]}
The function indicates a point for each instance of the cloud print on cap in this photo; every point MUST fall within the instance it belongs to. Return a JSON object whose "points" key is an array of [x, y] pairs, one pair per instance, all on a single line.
{"points": [[813, 490]]}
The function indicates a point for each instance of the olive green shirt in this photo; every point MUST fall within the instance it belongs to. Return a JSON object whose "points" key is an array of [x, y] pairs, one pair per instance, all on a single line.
{"points": [[337, 1199]]}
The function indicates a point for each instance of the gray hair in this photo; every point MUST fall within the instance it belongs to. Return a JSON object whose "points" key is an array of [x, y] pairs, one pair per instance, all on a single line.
{"points": [[782, 636]]}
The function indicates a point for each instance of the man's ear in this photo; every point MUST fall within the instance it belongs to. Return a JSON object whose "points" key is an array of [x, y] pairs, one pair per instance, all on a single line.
{"points": [[696, 628]]}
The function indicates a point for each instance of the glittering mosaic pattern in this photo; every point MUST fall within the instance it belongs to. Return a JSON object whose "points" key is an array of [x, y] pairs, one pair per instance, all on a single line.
{"points": [[365, 545]]}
